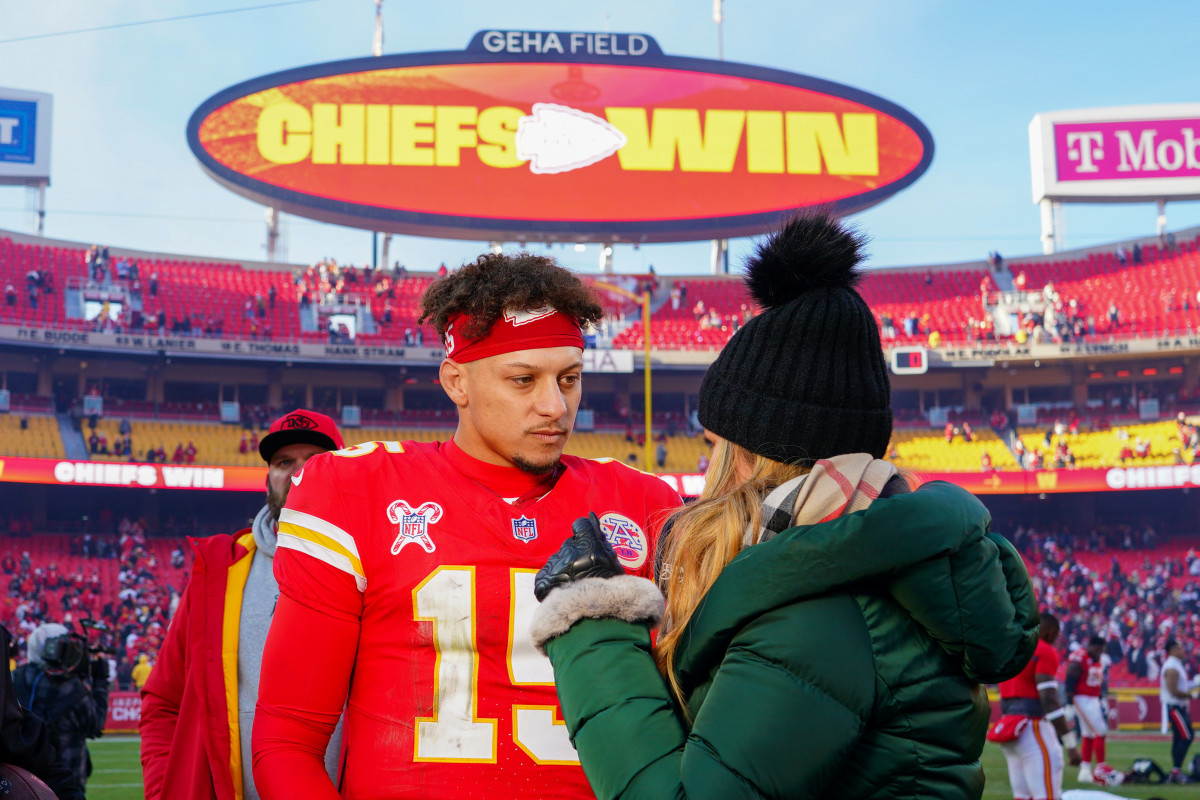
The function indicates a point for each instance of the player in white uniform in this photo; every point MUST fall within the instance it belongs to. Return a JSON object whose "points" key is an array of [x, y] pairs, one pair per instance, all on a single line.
{"points": [[1175, 690]]}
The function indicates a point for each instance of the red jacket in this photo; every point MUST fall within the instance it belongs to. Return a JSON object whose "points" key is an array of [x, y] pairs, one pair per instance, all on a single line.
{"points": [[189, 704]]}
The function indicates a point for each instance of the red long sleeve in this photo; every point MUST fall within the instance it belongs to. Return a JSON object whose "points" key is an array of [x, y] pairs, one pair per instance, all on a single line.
{"points": [[306, 671]]}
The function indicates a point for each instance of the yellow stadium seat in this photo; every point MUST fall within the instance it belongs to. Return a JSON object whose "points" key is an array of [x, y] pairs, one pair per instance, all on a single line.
{"points": [[927, 450]]}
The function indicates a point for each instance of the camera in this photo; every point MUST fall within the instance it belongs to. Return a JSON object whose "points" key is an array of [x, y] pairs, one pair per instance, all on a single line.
{"points": [[63, 654], [71, 652]]}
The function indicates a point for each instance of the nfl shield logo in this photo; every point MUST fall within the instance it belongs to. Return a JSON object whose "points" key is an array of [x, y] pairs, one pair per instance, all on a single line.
{"points": [[414, 526], [525, 529]]}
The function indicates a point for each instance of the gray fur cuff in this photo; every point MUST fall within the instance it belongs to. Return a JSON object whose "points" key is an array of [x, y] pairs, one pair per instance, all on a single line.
{"points": [[624, 597]]}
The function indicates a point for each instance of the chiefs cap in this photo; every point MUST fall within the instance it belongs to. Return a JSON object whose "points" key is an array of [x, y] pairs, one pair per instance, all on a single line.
{"points": [[300, 427]]}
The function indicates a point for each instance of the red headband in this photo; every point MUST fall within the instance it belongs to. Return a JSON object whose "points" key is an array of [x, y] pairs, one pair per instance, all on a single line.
{"points": [[516, 330]]}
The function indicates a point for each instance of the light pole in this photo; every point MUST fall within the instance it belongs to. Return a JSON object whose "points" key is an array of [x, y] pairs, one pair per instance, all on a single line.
{"points": [[642, 298]]}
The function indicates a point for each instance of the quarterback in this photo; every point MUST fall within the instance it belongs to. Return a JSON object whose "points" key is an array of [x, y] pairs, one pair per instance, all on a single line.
{"points": [[406, 569]]}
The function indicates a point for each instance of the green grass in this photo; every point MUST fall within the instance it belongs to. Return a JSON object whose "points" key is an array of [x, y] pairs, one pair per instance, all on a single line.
{"points": [[118, 770], [1121, 754]]}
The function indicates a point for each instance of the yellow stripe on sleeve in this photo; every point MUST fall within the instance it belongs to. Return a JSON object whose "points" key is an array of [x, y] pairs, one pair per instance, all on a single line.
{"points": [[324, 549]]}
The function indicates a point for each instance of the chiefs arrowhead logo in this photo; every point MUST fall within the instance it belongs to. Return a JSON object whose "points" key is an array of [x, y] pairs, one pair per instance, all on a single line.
{"points": [[298, 422], [560, 138], [519, 318]]}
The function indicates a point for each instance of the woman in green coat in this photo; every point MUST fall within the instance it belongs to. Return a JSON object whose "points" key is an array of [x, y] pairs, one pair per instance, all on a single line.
{"points": [[825, 630]]}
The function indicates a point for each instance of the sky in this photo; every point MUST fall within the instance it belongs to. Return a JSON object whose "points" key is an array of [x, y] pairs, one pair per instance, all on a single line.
{"points": [[974, 73]]}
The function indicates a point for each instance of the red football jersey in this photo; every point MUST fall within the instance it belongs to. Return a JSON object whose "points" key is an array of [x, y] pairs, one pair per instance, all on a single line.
{"points": [[416, 544], [1044, 662], [1092, 679]]}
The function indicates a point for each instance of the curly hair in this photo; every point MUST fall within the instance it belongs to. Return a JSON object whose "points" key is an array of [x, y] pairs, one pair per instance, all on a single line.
{"points": [[486, 287]]}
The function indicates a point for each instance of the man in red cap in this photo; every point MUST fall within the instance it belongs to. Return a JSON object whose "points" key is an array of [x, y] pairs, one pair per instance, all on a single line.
{"points": [[406, 569], [198, 705]]}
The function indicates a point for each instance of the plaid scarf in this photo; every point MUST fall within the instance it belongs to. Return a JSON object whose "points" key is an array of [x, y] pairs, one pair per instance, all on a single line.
{"points": [[835, 486]]}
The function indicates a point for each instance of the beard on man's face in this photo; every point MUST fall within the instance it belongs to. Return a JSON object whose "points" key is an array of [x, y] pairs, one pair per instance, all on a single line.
{"points": [[534, 468], [275, 502]]}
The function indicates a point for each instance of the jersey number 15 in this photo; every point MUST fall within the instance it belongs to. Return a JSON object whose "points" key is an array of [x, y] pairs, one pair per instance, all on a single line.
{"points": [[455, 732]]}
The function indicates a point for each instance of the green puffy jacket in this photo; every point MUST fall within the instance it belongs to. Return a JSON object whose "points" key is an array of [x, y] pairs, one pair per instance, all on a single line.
{"points": [[840, 660]]}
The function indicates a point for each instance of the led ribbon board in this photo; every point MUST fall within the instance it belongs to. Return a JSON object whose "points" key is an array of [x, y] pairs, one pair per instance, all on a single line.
{"points": [[555, 135]]}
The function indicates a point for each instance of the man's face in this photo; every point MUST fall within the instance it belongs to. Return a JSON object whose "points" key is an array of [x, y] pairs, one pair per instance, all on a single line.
{"points": [[517, 409], [1095, 650], [286, 462]]}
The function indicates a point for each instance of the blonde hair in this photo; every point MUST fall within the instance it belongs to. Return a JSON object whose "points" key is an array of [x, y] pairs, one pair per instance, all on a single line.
{"points": [[707, 535]]}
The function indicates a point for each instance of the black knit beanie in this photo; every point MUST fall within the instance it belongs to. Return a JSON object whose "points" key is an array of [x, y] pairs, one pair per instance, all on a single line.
{"points": [[806, 378]]}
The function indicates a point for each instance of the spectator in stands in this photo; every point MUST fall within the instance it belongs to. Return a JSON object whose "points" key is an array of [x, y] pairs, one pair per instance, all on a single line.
{"points": [[1141, 447], [985, 462], [1122, 255], [10, 294], [967, 434], [190, 453], [141, 671], [271, 296], [177, 458], [1126, 453], [660, 455], [950, 431], [888, 325], [1137, 253], [186, 741]]}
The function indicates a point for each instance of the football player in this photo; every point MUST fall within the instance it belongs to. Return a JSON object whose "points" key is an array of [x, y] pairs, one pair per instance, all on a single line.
{"points": [[1086, 669], [1034, 756], [406, 569]]}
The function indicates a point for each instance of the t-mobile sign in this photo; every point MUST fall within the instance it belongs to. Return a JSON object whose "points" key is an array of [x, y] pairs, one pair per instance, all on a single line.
{"points": [[1148, 148], [1126, 154]]}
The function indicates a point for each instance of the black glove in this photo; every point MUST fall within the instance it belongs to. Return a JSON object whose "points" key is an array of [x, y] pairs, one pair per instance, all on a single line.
{"points": [[586, 554], [99, 671]]}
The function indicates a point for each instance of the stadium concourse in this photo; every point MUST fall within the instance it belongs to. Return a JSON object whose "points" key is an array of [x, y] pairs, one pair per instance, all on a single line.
{"points": [[1039, 369]]}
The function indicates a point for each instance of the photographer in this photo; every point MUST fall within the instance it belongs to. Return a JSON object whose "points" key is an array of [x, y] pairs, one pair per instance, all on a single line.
{"points": [[65, 689]]}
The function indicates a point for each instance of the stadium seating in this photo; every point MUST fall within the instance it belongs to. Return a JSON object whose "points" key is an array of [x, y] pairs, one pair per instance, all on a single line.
{"points": [[1099, 449], [218, 444], [40, 440], [1150, 297], [926, 450], [944, 300]]}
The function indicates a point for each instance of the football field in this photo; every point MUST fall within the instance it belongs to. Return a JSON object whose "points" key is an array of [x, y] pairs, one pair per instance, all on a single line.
{"points": [[118, 772]]}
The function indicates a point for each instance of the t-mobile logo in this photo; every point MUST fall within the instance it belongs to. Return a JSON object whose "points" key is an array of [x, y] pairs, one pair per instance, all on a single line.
{"points": [[1084, 147], [8, 129]]}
